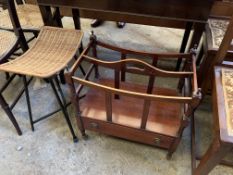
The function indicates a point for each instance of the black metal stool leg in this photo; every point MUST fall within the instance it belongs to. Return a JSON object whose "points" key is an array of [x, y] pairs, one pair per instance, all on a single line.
{"points": [[28, 102], [81, 48], [36, 33], [62, 77], [60, 91], [75, 139], [9, 113], [81, 68]]}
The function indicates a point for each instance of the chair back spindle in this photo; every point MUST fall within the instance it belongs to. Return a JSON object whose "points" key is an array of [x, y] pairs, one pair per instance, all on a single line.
{"points": [[123, 57], [108, 102], [117, 82], [152, 78], [145, 113]]}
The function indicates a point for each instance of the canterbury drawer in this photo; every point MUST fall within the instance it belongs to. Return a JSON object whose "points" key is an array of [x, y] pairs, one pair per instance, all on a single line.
{"points": [[128, 133]]}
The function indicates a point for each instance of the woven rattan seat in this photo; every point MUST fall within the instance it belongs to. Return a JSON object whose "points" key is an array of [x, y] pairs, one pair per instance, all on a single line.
{"points": [[7, 40], [29, 17], [51, 53]]}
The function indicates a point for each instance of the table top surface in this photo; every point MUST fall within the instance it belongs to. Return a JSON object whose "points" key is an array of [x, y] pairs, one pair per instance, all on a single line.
{"points": [[185, 10], [223, 103]]}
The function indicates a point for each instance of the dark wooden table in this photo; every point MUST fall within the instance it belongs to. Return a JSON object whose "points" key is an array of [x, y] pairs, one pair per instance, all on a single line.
{"points": [[170, 13], [222, 143]]}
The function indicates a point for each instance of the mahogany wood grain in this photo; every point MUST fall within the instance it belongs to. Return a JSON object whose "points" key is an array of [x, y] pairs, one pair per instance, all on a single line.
{"points": [[177, 10], [127, 110], [167, 13], [221, 9]]}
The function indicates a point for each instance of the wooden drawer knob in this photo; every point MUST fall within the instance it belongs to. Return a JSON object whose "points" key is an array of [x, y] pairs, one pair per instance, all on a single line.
{"points": [[157, 141]]}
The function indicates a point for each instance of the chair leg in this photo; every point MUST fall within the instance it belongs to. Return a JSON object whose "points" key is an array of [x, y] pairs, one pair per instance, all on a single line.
{"points": [[28, 102], [75, 139], [9, 113]]}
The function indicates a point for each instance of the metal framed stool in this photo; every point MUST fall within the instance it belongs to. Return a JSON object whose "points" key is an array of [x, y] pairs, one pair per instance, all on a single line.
{"points": [[9, 42], [53, 50]]}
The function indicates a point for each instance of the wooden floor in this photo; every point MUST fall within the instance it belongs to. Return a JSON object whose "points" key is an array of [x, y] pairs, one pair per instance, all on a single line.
{"points": [[127, 111]]}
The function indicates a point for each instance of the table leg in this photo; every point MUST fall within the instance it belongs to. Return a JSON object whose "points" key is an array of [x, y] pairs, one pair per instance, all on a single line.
{"points": [[198, 31], [77, 24], [57, 17], [76, 18], [216, 152], [46, 15], [197, 34], [188, 29]]}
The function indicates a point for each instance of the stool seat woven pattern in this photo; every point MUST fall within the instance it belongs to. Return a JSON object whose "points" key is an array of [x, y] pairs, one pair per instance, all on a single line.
{"points": [[51, 53], [227, 82], [7, 41], [29, 17]]}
